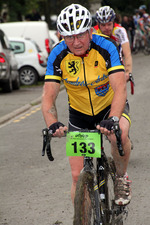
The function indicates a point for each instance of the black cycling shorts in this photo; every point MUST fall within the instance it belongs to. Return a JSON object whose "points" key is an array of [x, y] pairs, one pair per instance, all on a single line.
{"points": [[78, 120]]}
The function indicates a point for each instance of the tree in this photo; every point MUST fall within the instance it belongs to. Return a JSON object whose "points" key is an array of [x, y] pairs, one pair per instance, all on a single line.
{"points": [[125, 7], [18, 9]]}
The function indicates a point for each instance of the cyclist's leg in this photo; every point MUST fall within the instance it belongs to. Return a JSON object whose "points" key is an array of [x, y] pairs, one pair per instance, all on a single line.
{"points": [[77, 121], [76, 164], [122, 183], [122, 162], [145, 40]]}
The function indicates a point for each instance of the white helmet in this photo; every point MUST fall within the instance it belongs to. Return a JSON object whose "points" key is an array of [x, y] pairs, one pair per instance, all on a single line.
{"points": [[145, 15], [74, 19], [105, 14]]}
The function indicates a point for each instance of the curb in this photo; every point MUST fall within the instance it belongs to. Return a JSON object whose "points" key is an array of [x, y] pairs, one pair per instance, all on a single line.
{"points": [[23, 109], [16, 112]]}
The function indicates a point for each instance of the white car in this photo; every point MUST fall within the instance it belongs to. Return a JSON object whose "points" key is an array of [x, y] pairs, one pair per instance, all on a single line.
{"points": [[31, 61], [53, 37], [35, 30]]}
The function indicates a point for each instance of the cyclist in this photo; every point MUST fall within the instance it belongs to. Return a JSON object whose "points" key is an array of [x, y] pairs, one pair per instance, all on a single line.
{"points": [[142, 10], [105, 17], [144, 29], [93, 74]]}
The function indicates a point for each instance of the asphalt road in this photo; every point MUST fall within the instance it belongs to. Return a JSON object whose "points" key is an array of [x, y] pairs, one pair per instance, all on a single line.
{"points": [[33, 190]]}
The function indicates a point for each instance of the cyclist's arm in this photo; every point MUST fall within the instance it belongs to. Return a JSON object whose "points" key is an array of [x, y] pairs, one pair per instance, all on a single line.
{"points": [[127, 59], [50, 92], [118, 83]]}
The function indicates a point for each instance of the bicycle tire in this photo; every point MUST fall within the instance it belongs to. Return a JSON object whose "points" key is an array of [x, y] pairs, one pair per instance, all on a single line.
{"points": [[86, 204], [110, 208]]}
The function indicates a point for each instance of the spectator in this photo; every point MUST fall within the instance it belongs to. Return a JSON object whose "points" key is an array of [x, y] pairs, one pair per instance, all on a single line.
{"points": [[131, 30], [125, 23]]}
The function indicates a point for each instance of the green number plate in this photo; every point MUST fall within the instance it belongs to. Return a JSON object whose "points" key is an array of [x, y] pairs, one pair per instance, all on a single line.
{"points": [[83, 144]]}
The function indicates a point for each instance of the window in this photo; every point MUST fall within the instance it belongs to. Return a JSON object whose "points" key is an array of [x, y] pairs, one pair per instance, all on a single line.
{"points": [[18, 47]]}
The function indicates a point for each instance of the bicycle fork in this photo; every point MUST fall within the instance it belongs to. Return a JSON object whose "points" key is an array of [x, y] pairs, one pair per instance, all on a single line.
{"points": [[101, 179]]}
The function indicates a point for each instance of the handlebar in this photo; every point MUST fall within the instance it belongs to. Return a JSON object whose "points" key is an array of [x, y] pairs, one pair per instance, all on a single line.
{"points": [[47, 140]]}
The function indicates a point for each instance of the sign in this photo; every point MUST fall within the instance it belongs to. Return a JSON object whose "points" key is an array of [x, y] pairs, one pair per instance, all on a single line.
{"points": [[83, 144]]}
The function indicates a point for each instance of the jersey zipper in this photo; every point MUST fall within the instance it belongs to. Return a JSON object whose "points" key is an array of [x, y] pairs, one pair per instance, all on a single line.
{"points": [[87, 87]]}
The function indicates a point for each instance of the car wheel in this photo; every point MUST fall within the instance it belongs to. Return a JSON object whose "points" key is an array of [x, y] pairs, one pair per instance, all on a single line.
{"points": [[7, 86], [16, 83], [28, 76]]}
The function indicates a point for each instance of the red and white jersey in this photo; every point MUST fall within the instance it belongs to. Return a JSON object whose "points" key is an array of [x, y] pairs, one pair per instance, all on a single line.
{"points": [[119, 34]]}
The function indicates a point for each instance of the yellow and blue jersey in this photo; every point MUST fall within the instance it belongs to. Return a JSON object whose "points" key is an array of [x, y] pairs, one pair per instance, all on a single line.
{"points": [[86, 78]]}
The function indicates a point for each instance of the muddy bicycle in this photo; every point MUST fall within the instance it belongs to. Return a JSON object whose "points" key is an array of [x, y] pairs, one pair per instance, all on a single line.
{"points": [[94, 199]]}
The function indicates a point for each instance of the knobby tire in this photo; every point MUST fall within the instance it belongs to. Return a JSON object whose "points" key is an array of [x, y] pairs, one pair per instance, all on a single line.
{"points": [[86, 204], [110, 216]]}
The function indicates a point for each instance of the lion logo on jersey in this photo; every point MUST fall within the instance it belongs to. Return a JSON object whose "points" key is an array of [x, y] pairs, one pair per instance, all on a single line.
{"points": [[73, 67]]}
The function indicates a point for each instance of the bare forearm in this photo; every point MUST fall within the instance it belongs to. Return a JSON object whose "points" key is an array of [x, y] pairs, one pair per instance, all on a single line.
{"points": [[127, 59], [118, 84], [49, 110], [128, 64], [118, 103]]}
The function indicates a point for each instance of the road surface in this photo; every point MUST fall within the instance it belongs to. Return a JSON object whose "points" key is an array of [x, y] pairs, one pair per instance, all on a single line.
{"points": [[37, 192]]}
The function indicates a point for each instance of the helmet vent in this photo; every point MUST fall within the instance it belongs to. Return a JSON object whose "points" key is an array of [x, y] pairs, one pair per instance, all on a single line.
{"points": [[71, 23]]}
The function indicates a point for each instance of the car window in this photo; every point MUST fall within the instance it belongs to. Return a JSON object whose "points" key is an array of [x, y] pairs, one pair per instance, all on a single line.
{"points": [[18, 47]]}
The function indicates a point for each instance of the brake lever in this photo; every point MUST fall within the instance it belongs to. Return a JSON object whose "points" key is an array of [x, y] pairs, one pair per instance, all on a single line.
{"points": [[46, 144], [45, 133], [117, 132], [48, 149]]}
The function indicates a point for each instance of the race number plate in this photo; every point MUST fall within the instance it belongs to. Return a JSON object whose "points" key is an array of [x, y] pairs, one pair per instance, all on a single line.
{"points": [[83, 144]]}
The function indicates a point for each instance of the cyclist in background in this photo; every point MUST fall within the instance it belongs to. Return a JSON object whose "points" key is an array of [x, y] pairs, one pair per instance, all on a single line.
{"points": [[136, 18], [105, 25], [144, 29], [93, 74], [142, 10]]}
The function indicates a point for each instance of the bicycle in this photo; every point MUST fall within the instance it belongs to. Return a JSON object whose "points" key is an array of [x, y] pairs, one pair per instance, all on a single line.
{"points": [[94, 199], [138, 42]]}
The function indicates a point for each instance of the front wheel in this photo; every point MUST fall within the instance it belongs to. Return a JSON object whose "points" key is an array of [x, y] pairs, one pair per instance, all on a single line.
{"points": [[86, 205], [113, 214]]}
